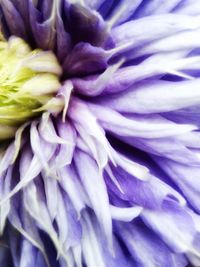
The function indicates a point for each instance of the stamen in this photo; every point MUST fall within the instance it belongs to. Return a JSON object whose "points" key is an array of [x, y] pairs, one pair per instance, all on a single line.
{"points": [[29, 81]]}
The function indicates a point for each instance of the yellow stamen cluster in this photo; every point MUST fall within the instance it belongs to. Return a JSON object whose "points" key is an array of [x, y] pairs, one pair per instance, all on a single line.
{"points": [[28, 82]]}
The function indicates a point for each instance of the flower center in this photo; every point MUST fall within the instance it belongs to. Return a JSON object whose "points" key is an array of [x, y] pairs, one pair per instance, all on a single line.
{"points": [[29, 81]]}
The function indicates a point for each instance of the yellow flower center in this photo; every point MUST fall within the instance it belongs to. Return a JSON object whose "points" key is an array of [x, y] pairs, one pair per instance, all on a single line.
{"points": [[28, 82]]}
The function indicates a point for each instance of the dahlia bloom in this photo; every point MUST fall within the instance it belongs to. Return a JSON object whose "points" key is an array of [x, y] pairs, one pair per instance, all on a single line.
{"points": [[99, 133]]}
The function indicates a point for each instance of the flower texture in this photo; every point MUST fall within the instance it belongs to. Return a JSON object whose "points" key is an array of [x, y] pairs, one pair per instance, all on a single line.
{"points": [[102, 98]]}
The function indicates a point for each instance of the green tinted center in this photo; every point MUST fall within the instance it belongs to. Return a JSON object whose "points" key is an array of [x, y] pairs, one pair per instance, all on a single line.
{"points": [[28, 81]]}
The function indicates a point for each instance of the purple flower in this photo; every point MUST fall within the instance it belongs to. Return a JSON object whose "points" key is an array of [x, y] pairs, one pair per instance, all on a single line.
{"points": [[113, 180]]}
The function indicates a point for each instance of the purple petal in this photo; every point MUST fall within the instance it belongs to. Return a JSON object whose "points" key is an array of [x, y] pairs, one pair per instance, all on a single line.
{"points": [[177, 221], [96, 191], [169, 96], [146, 248], [13, 19]]}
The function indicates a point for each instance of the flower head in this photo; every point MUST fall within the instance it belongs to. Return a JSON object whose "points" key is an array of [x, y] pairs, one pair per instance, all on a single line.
{"points": [[107, 173]]}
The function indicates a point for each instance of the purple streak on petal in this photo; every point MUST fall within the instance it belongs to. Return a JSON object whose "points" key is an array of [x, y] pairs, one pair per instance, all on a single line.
{"points": [[125, 214], [22, 7], [90, 131], [189, 7], [5, 257], [64, 41], [5, 188], [169, 96], [91, 248], [72, 186], [96, 190], [74, 226], [92, 85], [14, 240], [124, 11], [45, 7], [47, 132], [186, 178], [94, 4], [43, 31], [191, 140], [132, 78], [166, 147], [40, 262], [144, 127], [86, 25], [61, 218], [51, 193], [33, 232], [14, 20], [177, 221], [153, 28], [156, 7], [35, 205], [120, 258], [28, 254], [65, 154], [85, 58], [42, 150], [172, 44], [186, 115], [95, 85], [148, 194], [106, 7], [146, 247]]}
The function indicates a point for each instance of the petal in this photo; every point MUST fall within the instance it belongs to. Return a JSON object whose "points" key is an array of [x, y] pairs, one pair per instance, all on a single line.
{"points": [[13, 18], [169, 96], [147, 248], [177, 221], [28, 254], [187, 179], [156, 6], [96, 190], [144, 127], [153, 28]]}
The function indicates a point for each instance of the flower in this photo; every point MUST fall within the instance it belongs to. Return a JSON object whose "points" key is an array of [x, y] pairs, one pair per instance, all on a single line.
{"points": [[107, 174]]}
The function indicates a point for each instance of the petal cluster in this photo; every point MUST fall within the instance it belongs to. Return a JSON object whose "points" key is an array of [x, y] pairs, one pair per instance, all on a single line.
{"points": [[113, 179]]}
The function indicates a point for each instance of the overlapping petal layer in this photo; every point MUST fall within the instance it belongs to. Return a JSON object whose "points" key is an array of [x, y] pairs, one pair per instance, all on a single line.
{"points": [[114, 179]]}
